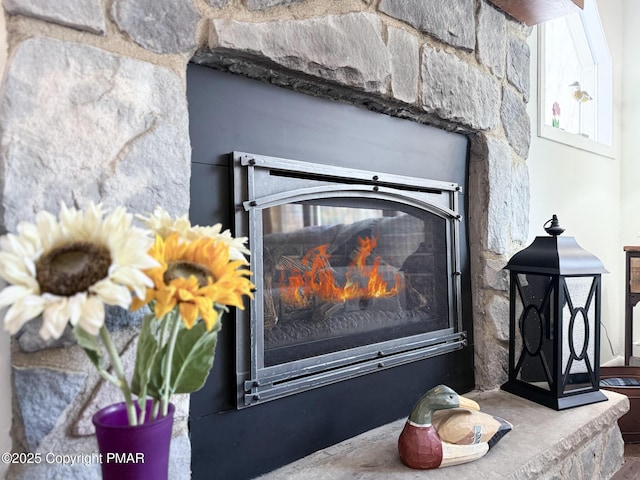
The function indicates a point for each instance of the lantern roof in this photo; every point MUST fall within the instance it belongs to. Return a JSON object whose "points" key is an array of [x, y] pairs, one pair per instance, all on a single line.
{"points": [[555, 255]]}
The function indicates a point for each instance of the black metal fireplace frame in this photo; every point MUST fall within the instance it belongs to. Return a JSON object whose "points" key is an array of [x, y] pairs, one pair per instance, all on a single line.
{"points": [[261, 182]]}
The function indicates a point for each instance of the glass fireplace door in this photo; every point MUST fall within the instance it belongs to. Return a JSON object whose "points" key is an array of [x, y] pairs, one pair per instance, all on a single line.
{"points": [[354, 272], [337, 277]]}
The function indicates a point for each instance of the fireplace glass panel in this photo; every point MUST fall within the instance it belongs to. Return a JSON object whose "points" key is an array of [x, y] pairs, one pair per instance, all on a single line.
{"points": [[355, 272], [340, 275]]}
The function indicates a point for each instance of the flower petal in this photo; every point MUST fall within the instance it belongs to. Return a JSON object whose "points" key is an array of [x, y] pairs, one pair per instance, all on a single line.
{"points": [[207, 312], [185, 295], [111, 293], [48, 229], [28, 233], [13, 244], [189, 314], [21, 312], [14, 271], [76, 304], [92, 221], [13, 293], [164, 303], [117, 226], [129, 253], [55, 318], [133, 278], [138, 302], [92, 317]]}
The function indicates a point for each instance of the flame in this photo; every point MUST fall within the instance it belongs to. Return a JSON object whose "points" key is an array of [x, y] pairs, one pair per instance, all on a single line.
{"points": [[317, 280]]}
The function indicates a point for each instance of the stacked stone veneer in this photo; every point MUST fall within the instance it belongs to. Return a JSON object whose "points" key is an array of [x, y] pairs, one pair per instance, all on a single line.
{"points": [[94, 108]]}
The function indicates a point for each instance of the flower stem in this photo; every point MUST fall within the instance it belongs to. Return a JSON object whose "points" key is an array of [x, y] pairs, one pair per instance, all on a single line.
{"points": [[155, 409], [175, 328], [116, 363], [142, 407], [109, 378]]}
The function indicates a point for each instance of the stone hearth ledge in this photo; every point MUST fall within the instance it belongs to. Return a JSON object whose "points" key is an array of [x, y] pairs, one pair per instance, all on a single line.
{"points": [[579, 443]]}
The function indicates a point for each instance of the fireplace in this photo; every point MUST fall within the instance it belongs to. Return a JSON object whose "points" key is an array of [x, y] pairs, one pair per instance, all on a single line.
{"points": [[355, 271], [319, 186]]}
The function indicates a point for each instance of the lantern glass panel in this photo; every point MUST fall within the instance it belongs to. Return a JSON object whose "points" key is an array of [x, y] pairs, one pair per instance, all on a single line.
{"points": [[519, 309], [534, 329], [578, 333]]}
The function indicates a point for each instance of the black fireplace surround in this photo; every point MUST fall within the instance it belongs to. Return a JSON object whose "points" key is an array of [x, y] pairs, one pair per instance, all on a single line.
{"points": [[266, 403]]}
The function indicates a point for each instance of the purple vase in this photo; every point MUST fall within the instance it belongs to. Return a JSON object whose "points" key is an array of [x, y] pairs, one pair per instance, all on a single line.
{"points": [[132, 453]]}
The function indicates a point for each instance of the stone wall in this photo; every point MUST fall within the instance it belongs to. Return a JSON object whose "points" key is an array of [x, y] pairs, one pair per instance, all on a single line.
{"points": [[94, 108]]}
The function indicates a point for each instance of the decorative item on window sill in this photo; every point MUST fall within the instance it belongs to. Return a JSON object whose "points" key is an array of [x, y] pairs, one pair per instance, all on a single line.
{"points": [[554, 322], [555, 111], [581, 96], [67, 270]]}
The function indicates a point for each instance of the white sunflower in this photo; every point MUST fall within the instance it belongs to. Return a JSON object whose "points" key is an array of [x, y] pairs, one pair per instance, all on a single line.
{"points": [[163, 224], [67, 270]]}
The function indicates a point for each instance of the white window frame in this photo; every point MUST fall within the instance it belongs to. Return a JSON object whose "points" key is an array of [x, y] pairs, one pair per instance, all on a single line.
{"points": [[598, 44]]}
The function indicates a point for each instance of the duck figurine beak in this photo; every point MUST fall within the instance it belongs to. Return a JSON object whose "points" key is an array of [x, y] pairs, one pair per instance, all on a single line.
{"points": [[467, 403]]}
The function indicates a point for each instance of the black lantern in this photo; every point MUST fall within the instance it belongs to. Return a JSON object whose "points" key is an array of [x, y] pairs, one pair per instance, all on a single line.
{"points": [[554, 322]]}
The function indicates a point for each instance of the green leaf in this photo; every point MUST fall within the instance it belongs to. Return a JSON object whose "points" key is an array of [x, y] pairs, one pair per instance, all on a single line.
{"points": [[193, 357], [146, 356], [90, 345]]}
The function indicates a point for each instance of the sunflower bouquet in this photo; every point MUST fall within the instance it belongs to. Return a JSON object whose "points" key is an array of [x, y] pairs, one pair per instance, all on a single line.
{"points": [[66, 270]]}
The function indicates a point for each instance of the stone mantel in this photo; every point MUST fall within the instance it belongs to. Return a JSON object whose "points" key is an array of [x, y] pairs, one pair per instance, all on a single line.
{"points": [[583, 443]]}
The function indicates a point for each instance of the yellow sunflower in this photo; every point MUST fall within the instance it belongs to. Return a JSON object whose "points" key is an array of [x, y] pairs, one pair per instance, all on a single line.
{"points": [[67, 270], [195, 276]]}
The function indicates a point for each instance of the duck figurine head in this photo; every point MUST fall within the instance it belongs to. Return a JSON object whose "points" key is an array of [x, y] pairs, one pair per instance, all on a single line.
{"points": [[463, 435], [439, 398]]}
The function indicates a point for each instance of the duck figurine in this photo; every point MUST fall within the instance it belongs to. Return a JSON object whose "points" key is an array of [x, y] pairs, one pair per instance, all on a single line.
{"points": [[445, 429]]}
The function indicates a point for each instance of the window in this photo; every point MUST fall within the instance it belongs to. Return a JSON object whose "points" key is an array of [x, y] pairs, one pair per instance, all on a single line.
{"points": [[575, 82]]}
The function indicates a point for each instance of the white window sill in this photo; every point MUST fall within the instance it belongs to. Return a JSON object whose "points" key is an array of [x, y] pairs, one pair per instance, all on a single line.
{"points": [[575, 140]]}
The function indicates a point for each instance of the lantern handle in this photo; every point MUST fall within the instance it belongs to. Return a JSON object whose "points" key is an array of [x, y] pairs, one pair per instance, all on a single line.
{"points": [[553, 227]]}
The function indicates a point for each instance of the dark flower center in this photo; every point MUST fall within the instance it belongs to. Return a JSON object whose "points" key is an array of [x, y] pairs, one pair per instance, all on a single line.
{"points": [[185, 270], [72, 268]]}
